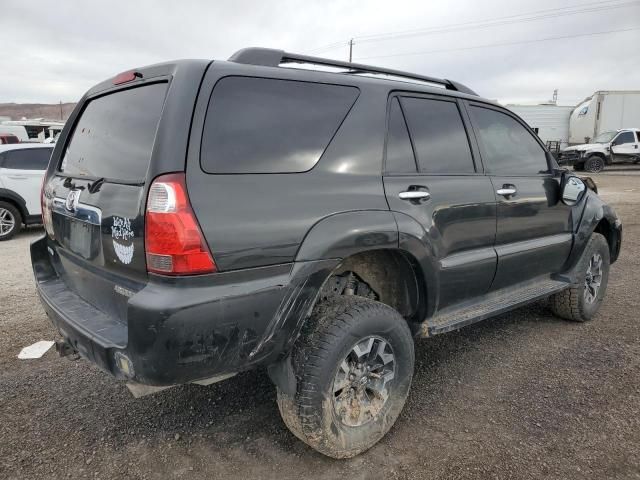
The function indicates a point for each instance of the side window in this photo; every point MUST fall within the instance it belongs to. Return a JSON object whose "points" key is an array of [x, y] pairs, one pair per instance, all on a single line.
{"points": [[638, 135], [439, 136], [625, 137], [29, 159], [400, 158], [507, 147], [259, 125]]}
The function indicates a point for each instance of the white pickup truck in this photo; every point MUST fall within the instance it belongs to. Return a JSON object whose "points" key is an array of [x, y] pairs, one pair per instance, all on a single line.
{"points": [[605, 149]]}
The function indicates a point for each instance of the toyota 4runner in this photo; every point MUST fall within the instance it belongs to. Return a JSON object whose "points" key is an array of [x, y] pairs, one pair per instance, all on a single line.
{"points": [[205, 218]]}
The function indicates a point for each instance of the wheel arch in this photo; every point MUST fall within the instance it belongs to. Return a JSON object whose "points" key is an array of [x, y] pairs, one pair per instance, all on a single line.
{"points": [[16, 200]]}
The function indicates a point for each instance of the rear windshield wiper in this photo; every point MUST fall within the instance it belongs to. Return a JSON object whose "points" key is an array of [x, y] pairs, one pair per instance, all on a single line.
{"points": [[94, 186]]}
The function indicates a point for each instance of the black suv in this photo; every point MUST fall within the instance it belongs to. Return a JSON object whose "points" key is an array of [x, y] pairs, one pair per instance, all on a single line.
{"points": [[204, 218]]}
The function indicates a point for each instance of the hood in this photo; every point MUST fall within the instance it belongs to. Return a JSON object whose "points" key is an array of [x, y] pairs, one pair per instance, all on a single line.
{"points": [[586, 146]]}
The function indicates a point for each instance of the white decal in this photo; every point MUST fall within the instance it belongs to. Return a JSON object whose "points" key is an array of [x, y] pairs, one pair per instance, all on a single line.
{"points": [[122, 236]]}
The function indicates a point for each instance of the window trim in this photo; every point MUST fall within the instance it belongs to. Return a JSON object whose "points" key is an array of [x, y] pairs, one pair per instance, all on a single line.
{"points": [[264, 77], [471, 103], [477, 164]]}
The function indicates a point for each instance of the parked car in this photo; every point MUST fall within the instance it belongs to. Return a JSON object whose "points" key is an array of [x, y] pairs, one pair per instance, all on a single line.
{"points": [[606, 149], [8, 138], [18, 130], [22, 168], [205, 218]]}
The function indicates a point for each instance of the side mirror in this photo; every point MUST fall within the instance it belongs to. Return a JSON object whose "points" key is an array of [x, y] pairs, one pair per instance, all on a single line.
{"points": [[573, 190]]}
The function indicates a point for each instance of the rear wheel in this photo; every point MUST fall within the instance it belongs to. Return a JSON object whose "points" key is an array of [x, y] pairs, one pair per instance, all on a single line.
{"points": [[581, 303], [354, 369], [594, 164], [10, 221]]}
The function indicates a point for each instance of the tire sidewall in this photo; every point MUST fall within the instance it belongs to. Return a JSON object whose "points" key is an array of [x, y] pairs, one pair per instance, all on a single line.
{"points": [[394, 331]]}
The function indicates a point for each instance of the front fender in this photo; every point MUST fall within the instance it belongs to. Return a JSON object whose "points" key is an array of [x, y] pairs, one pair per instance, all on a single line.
{"points": [[594, 211]]}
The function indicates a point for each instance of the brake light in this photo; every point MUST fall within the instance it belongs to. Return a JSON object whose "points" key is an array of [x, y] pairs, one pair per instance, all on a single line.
{"points": [[45, 208], [174, 244], [125, 77]]}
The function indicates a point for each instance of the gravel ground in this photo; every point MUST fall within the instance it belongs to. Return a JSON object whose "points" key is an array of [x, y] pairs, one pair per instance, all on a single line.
{"points": [[524, 395]]}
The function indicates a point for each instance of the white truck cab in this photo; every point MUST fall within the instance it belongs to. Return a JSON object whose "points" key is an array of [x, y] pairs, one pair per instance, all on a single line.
{"points": [[608, 147]]}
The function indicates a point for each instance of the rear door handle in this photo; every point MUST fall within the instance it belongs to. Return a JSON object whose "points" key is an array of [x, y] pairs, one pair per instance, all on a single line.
{"points": [[414, 195], [506, 190]]}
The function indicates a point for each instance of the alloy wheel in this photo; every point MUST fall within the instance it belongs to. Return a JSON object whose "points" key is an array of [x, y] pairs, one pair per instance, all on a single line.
{"points": [[593, 278], [7, 222], [361, 385]]}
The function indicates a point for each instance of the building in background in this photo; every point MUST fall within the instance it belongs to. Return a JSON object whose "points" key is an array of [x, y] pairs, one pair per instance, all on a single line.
{"points": [[37, 129], [550, 121]]}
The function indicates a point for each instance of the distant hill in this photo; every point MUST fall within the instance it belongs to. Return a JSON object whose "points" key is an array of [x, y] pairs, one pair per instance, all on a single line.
{"points": [[36, 110]]}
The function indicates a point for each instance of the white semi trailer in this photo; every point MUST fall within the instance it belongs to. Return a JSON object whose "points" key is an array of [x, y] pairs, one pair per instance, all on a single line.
{"points": [[604, 111]]}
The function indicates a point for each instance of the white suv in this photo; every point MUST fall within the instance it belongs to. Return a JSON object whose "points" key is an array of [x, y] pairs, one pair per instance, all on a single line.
{"points": [[22, 168]]}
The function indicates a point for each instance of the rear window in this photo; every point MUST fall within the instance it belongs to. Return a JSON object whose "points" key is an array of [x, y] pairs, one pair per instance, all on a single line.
{"points": [[258, 125], [27, 159], [115, 134]]}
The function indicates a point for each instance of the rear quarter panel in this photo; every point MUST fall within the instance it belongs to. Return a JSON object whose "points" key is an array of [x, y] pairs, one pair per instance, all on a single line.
{"points": [[253, 220]]}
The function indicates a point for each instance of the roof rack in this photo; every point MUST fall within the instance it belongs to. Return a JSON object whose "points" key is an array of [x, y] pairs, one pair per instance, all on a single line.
{"points": [[270, 57]]}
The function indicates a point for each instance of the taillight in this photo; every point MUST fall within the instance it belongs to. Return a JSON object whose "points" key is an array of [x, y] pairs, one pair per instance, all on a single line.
{"points": [[45, 208], [173, 241]]}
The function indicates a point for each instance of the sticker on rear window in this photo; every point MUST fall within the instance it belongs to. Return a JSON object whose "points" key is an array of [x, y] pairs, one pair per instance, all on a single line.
{"points": [[122, 236]]}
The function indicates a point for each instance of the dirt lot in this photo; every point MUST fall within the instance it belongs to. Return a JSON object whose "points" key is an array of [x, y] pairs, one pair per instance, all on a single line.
{"points": [[524, 395]]}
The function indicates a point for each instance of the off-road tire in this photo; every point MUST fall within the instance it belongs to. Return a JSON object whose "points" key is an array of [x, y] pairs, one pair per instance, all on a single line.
{"points": [[594, 164], [335, 326], [571, 304], [17, 219]]}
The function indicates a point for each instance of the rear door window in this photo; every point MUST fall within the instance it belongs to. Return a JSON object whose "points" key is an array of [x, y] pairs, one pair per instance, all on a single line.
{"points": [[115, 134], [439, 137], [507, 147], [259, 125], [400, 157], [27, 159]]}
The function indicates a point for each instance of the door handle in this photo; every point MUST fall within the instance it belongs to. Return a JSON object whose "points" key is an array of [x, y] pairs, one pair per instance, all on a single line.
{"points": [[506, 190], [414, 195]]}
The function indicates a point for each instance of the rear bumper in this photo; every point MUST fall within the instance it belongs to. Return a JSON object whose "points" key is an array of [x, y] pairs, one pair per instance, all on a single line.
{"points": [[179, 330]]}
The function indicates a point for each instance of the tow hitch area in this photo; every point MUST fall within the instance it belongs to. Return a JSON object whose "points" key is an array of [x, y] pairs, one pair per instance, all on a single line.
{"points": [[64, 348]]}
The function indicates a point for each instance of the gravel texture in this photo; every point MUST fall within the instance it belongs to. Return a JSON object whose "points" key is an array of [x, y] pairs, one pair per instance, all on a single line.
{"points": [[524, 395]]}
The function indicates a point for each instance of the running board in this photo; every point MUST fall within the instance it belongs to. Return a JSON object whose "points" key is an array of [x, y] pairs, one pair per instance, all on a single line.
{"points": [[490, 305]]}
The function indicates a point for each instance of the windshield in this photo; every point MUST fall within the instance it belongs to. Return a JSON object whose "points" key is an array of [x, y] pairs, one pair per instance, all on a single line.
{"points": [[604, 137]]}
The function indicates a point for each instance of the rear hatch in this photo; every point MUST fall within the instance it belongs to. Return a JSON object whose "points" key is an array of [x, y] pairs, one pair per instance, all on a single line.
{"points": [[95, 189]]}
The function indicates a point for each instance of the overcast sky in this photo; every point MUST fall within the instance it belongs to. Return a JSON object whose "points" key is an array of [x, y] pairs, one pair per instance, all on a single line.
{"points": [[54, 51]]}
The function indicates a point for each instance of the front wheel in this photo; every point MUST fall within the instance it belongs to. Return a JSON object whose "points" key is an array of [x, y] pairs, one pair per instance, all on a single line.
{"points": [[594, 164], [354, 368], [582, 302]]}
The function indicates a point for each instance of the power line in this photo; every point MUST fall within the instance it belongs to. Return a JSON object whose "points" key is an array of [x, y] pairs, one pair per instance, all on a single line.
{"points": [[427, 52], [512, 19], [500, 21]]}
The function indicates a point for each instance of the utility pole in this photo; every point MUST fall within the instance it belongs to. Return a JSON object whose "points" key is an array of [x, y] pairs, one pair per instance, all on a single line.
{"points": [[351, 43], [60, 109]]}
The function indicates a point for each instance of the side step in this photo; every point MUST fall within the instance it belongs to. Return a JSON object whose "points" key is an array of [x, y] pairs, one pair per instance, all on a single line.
{"points": [[490, 305]]}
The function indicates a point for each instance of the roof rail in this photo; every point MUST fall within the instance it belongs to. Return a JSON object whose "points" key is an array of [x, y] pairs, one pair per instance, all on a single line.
{"points": [[270, 57]]}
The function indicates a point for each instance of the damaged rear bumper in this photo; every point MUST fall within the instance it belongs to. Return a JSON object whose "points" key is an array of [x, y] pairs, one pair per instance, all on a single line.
{"points": [[180, 330]]}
